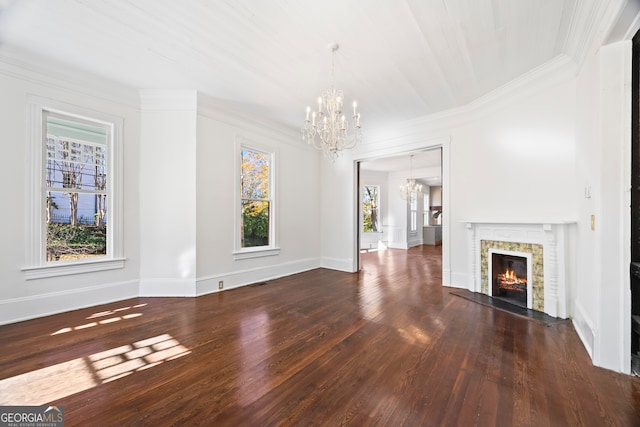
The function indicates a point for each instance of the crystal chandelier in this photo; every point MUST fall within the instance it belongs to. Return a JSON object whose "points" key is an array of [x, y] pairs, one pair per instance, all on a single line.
{"points": [[411, 188], [328, 129]]}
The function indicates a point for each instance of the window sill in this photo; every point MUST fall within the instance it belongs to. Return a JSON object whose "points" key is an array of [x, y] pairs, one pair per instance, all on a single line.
{"points": [[62, 268], [255, 253]]}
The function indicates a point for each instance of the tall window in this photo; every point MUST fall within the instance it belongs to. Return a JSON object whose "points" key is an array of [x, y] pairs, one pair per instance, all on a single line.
{"points": [[74, 210], [425, 209], [370, 208], [256, 202], [76, 176], [414, 210]]}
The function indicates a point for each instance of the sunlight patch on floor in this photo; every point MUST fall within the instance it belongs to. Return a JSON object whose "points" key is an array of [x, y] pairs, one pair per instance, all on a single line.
{"points": [[64, 379], [103, 321]]}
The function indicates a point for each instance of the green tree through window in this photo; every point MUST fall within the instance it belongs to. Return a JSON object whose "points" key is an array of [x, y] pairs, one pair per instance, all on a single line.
{"points": [[255, 198], [370, 208]]}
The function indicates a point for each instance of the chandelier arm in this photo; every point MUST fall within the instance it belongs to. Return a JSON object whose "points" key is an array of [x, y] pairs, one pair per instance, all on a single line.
{"points": [[328, 129]]}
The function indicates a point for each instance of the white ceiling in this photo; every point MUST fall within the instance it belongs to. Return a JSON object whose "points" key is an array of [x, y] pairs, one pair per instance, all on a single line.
{"points": [[400, 59]]}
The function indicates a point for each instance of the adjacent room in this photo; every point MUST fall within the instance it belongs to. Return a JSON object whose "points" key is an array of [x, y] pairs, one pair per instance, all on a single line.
{"points": [[321, 213]]}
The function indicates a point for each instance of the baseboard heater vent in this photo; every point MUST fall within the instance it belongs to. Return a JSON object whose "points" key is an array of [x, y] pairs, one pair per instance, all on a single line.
{"points": [[258, 284]]}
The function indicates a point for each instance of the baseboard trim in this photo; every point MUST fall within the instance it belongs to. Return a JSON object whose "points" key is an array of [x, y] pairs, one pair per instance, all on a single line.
{"points": [[584, 328], [26, 308], [457, 280], [168, 287], [338, 264], [235, 279]]}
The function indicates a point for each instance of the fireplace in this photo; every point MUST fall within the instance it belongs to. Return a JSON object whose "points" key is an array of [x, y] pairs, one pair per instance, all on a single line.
{"points": [[546, 248], [509, 278]]}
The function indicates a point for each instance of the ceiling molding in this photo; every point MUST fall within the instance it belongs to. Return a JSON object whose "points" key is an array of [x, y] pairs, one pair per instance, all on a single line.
{"points": [[625, 21], [559, 70], [256, 125], [588, 24], [262, 57], [168, 100], [45, 72]]}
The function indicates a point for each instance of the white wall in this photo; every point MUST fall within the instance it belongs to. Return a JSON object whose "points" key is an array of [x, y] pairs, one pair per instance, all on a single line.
{"points": [[297, 197], [602, 298], [398, 212], [515, 162], [178, 195], [22, 299], [528, 152], [168, 193], [338, 199]]}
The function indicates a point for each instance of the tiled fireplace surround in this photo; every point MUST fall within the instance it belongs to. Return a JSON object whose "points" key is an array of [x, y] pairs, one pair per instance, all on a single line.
{"points": [[548, 244]]}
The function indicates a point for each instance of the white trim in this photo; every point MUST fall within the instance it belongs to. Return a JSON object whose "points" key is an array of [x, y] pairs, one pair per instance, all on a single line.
{"points": [[31, 307], [372, 151], [63, 268], [18, 64], [557, 259], [584, 327], [225, 113], [163, 287], [168, 100], [454, 279], [240, 253], [235, 279], [35, 228], [346, 265], [256, 252]]}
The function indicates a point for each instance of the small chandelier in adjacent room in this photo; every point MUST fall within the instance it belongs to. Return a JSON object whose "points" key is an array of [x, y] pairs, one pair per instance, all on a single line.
{"points": [[328, 128], [411, 188]]}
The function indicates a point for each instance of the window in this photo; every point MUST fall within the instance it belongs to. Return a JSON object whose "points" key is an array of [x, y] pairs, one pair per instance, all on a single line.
{"points": [[414, 210], [74, 224], [256, 228], [425, 209], [370, 208], [76, 176]]}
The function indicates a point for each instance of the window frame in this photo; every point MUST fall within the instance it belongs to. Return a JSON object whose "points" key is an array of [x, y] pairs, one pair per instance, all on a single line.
{"points": [[425, 209], [413, 212], [379, 200], [272, 249], [37, 266]]}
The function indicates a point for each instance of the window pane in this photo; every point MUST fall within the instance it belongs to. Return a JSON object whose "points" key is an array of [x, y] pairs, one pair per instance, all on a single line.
{"points": [[75, 164], [85, 238], [255, 223], [370, 210], [254, 180]]}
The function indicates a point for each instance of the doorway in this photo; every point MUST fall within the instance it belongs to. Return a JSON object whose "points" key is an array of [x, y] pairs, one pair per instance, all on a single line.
{"points": [[387, 218]]}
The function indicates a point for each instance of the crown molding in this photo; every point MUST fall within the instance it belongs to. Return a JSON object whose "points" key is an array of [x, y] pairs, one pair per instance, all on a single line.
{"points": [[253, 124], [50, 73], [624, 21], [168, 100], [559, 70], [589, 24]]}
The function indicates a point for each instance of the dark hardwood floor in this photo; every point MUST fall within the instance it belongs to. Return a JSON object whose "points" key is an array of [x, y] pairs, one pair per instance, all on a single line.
{"points": [[388, 346]]}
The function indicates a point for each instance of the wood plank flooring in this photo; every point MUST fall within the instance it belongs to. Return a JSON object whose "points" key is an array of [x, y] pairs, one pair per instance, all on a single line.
{"points": [[388, 346]]}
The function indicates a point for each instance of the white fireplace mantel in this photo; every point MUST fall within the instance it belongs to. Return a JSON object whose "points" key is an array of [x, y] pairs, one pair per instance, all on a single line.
{"points": [[555, 238]]}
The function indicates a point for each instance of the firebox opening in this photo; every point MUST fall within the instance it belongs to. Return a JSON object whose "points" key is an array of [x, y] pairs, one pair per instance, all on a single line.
{"points": [[509, 281]]}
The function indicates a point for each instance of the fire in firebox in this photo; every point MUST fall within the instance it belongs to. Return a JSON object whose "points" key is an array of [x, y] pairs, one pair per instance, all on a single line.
{"points": [[509, 278], [509, 281]]}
